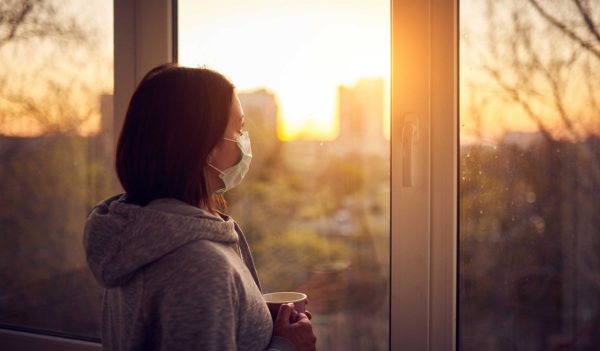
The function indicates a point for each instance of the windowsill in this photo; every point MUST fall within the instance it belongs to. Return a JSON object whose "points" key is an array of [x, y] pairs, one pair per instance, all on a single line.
{"points": [[21, 340]]}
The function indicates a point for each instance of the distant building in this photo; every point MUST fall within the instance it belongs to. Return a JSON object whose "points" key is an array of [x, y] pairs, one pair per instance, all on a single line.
{"points": [[361, 109], [105, 139], [522, 140], [260, 109], [106, 113]]}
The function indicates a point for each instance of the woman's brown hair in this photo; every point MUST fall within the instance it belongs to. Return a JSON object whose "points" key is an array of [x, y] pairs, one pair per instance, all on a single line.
{"points": [[175, 118]]}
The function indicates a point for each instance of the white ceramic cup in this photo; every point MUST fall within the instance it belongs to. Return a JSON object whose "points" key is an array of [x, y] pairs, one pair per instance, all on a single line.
{"points": [[276, 299]]}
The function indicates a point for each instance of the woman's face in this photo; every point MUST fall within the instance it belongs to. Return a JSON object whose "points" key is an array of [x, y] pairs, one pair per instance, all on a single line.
{"points": [[226, 153]]}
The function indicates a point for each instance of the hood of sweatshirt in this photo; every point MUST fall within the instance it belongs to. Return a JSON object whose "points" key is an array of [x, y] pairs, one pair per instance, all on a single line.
{"points": [[120, 238]]}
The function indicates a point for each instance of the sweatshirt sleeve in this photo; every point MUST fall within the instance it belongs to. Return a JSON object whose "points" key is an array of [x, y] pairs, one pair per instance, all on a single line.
{"points": [[198, 298], [280, 344]]}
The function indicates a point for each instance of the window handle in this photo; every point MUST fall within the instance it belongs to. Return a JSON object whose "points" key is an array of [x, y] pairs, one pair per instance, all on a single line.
{"points": [[410, 137]]}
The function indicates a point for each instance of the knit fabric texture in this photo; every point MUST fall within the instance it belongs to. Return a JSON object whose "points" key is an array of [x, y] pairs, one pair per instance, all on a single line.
{"points": [[175, 277]]}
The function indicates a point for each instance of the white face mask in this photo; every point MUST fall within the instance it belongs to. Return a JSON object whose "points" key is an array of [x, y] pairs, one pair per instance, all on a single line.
{"points": [[234, 175]]}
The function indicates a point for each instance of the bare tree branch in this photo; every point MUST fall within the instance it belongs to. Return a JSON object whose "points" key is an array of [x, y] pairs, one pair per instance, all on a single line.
{"points": [[64, 117], [585, 14], [517, 97], [22, 20], [564, 29], [54, 106], [589, 81], [552, 76], [15, 21]]}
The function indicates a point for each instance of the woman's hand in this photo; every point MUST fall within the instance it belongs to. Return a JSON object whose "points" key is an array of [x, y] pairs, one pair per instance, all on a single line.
{"points": [[299, 333]]}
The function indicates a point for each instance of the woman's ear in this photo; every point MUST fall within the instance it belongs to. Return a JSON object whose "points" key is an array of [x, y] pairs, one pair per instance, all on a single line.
{"points": [[216, 149], [213, 155], [209, 158]]}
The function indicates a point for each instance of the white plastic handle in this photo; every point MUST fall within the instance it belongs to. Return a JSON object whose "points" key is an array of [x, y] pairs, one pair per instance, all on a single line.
{"points": [[410, 134]]}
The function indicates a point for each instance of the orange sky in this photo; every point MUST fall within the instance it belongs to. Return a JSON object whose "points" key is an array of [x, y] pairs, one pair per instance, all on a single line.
{"points": [[69, 71], [481, 94], [300, 50]]}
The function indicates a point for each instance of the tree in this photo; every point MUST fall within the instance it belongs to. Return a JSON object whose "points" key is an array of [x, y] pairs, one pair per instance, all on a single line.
{"points": [[540, 60], [26, 20], [53, 68]]}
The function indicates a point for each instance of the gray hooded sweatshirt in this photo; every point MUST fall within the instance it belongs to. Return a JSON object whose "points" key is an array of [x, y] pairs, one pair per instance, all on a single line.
{"points": [[176, 278]]}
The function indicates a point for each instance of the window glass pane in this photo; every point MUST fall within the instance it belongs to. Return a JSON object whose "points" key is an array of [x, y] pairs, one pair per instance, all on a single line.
{"points": [[56, 85], [529, 260], [312, 77]]}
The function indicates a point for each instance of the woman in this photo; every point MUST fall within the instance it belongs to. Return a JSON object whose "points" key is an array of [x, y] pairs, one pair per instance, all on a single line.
{"points": [[178, 273]]}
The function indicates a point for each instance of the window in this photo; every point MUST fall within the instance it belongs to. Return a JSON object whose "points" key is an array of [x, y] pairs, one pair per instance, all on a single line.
{"points": [[529, 161], [55, 159], [313, 80], [420, 247]]}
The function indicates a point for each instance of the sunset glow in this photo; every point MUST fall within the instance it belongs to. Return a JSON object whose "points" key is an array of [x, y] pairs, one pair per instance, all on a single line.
{"points": [[301, 51], [52, 84]]}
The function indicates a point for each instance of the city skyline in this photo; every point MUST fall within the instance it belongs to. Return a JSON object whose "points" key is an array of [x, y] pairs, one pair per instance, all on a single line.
{"points": [[365, 110], [302, 51], [263, 102]]}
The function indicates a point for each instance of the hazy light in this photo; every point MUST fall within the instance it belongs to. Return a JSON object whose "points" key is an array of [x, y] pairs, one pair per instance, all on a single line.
{"points": [[302, 51]]}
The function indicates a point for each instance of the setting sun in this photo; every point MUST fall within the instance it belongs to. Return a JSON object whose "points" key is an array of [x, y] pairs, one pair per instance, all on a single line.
{"points": [[302, 52]]}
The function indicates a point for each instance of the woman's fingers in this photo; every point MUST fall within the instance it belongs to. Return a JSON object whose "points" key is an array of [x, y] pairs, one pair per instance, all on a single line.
{"points": [[283, 316]]}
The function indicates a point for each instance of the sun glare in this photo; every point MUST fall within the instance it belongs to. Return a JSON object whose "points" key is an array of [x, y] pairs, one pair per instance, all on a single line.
{"points": [[300, 51]]}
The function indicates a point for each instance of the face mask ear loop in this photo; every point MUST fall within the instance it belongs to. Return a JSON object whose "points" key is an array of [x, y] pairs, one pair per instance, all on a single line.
{"points": [[242, 134], [215, 168]]}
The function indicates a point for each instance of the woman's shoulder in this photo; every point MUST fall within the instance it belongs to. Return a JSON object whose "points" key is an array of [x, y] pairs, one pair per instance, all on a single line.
{"points": [[198, 261]]}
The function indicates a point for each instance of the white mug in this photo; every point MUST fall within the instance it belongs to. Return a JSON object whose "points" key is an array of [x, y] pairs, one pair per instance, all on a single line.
{"points": [[276, 299]]}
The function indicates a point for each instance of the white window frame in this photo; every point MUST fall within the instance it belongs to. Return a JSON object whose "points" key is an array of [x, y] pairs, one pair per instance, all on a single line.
{"points": [[424, 107], [424, 174]]}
